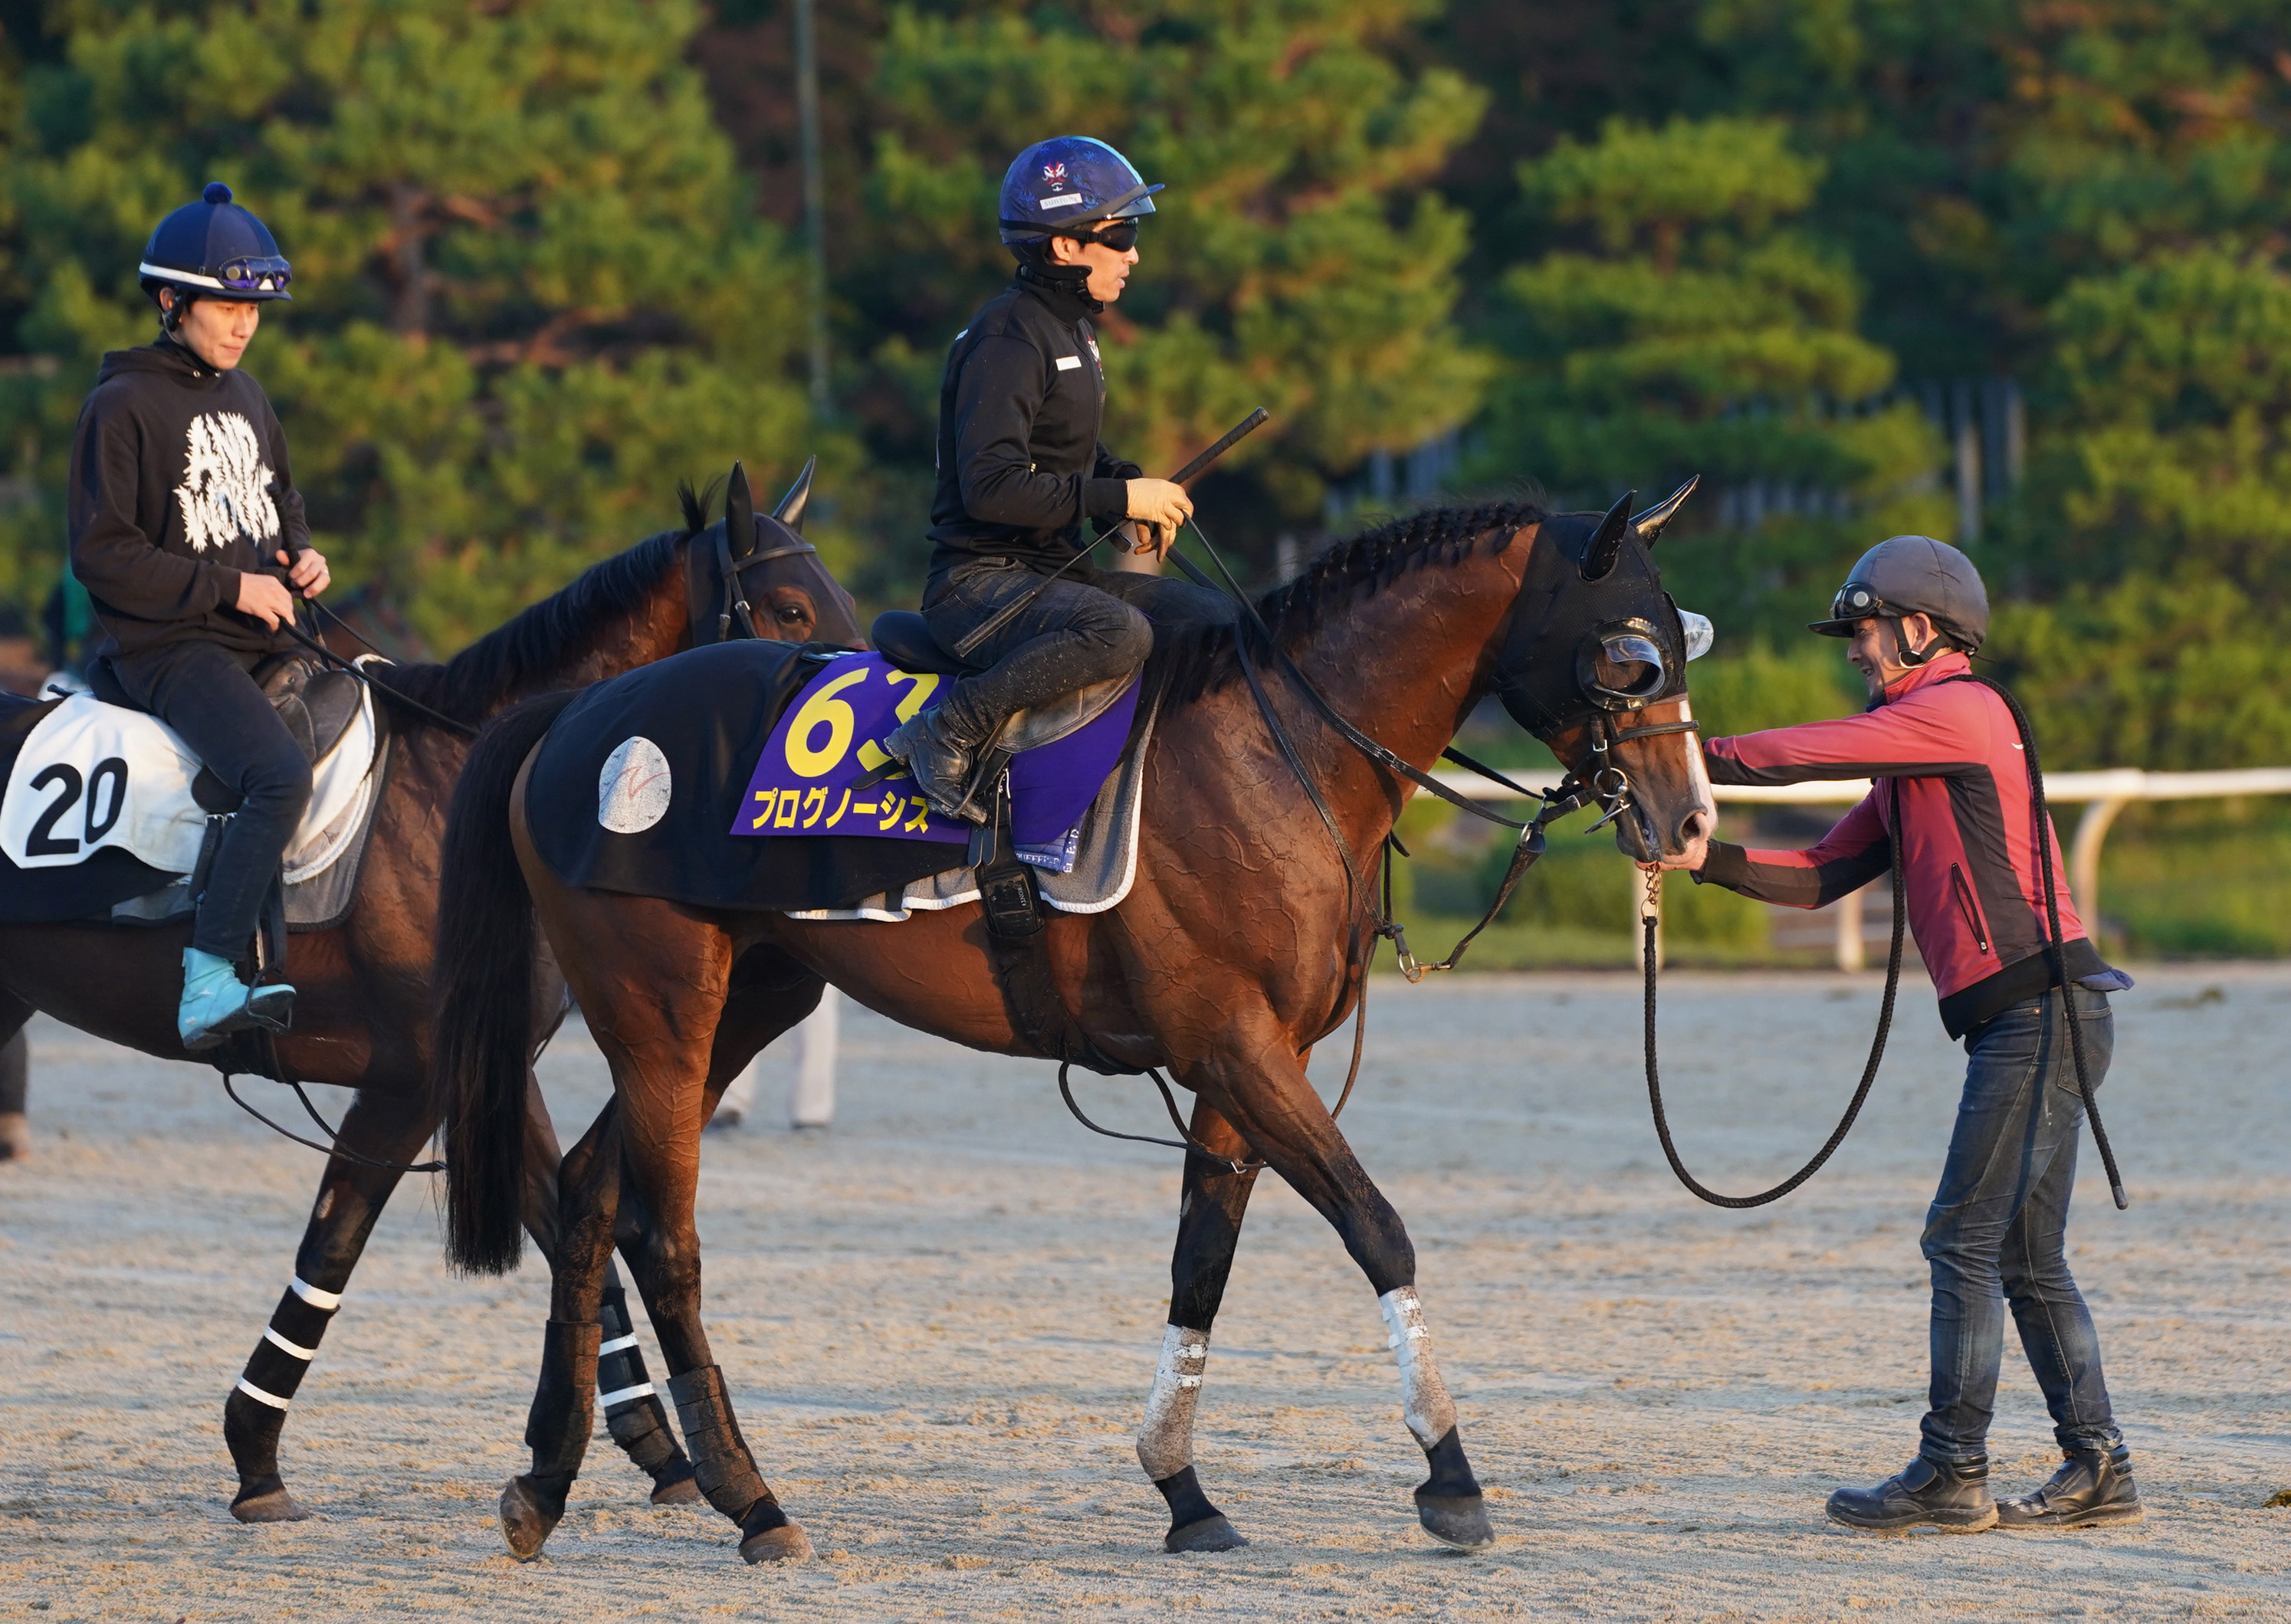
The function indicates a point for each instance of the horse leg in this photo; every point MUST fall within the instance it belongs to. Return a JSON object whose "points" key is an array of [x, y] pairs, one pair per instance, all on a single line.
{"points": [[15, 1080], [633, 1412], [1209, 1228], [387, 1128], [562, 1414], [1262, 1091], [766, 996]]}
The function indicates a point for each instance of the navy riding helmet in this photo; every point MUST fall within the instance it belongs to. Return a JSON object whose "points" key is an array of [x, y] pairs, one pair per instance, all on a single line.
{"points": [[214, 248], [1070, 180]]}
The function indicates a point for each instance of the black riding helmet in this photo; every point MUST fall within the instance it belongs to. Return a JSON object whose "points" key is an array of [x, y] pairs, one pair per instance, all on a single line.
{"points": [[1912, 574]]}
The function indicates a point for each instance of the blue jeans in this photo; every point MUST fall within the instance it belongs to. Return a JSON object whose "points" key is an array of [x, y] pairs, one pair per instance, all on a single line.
{"points": [[1994, 1233]]}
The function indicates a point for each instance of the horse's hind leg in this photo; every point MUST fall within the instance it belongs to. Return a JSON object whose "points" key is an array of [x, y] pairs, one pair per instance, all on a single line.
{"points": [[1209, 1229], [633, 1412], [1263, 1092], [386, 1128]]}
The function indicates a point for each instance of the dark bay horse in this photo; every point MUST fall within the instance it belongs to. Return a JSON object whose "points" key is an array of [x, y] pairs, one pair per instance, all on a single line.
{"points": [[1240, 945], [361, 1016]]}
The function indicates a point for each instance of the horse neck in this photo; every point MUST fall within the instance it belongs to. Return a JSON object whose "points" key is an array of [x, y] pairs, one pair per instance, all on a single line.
{"points": [[656, 625], [1405, 664]]}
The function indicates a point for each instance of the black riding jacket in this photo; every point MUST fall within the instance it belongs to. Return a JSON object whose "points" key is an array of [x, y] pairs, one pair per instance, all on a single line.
{"points": [[178, 486], [1020, 466]]}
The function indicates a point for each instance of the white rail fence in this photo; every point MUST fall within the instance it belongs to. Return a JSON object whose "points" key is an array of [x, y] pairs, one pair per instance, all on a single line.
{"points": [[2103, 795], [807, 1059]]}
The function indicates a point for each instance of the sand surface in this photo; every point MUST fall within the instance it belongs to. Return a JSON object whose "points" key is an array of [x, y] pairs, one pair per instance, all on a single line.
{"points": [[940, 1320]]}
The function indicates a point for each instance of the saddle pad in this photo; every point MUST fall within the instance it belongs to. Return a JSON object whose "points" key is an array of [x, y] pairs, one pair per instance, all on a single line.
{"points": [[806, 779], [1101, 857], [94, 777], [637, 785]]}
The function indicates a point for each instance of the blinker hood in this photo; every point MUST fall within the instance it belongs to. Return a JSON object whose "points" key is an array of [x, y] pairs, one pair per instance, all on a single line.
{"points": [[1558, 609]]}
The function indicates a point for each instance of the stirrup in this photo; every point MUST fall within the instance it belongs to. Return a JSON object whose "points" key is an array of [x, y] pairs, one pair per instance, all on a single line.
{"points": [[216, 1003]]}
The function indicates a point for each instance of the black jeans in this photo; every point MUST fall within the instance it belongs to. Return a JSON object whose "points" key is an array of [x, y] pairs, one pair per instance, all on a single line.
{"points": [[1994, 1234], [207, 694], [1085, 627]]}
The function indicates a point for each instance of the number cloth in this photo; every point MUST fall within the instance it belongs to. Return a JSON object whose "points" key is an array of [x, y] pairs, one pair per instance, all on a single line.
{"points": [[833, 736]]}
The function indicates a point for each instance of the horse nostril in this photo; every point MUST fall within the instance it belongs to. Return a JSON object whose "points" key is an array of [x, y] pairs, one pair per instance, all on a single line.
{"points": [[1695, 826]]}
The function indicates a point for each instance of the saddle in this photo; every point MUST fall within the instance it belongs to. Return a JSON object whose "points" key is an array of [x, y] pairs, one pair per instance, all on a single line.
{"points": [[317, 703], [904, 639]]}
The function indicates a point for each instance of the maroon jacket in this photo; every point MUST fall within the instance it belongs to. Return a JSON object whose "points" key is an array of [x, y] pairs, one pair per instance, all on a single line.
{"points": [[1976, 900]]}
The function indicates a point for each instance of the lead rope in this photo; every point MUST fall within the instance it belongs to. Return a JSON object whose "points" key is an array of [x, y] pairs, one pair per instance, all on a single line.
{"points": [[2056, 946], [1648, 921]]}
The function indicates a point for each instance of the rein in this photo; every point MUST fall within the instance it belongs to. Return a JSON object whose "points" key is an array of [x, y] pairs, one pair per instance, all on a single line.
{"points": [[1649, 919], [380, 691], [334, 1146]]}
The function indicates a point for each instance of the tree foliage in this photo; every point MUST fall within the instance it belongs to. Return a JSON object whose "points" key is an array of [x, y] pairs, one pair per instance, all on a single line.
{"points": [[529, 288]]}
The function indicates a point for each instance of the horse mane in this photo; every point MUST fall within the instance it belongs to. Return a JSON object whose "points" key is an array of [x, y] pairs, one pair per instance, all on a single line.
{"points": [[528, 653], [1200, 660]]}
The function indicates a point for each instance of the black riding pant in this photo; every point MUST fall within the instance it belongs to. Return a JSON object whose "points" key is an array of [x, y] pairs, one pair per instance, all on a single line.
{"points": [[206, 693], [1087, 626]]}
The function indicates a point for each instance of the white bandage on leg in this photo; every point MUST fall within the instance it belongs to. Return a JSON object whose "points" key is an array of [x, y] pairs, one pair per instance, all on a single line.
{"points": [[1424, 1401], [1165, 1442]]}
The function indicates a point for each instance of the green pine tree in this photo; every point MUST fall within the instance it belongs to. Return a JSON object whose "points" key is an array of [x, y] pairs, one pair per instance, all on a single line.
{"points": [[1296, 260], [530, 291]]}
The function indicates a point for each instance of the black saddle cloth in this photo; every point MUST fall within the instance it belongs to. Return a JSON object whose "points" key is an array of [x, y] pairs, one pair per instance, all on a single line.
{"points": [[710, 712]]}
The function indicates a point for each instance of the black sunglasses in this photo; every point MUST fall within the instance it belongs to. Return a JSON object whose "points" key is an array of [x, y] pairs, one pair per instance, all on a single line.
{"points": [[1119, 235]]}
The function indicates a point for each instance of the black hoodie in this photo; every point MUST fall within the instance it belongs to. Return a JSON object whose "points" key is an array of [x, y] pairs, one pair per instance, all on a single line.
{"points": [[178, 486]]}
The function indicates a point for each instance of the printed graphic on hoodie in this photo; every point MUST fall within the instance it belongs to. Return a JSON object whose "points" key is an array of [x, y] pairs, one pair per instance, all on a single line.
{"points": [[226, 488]]}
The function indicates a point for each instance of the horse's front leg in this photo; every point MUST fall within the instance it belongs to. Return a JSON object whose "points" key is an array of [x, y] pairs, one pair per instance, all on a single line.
{"points": [[1210, 1212], [1262, 1091], [380, 1127]]}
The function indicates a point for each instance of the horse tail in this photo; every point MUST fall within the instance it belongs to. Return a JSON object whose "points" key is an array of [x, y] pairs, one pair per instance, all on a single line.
{"points": [[484, 1027]]}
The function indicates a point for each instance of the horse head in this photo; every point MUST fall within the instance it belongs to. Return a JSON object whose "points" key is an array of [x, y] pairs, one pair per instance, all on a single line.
{"points": [[1594, 663], [790, 596]]}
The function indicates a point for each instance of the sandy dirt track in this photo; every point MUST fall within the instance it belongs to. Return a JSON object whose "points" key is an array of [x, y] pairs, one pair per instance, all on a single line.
{"points": [[940, 1321]]}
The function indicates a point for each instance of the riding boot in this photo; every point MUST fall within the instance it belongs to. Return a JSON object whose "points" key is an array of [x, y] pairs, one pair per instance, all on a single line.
{"points": [[217, 1003], [725, 1470], [2093, 1487], [1954, 1499], [940, 748]]}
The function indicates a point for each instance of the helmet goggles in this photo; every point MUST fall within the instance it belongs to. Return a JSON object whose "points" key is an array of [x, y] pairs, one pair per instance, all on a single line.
{"points": [[1855, 602], [247, 274]]}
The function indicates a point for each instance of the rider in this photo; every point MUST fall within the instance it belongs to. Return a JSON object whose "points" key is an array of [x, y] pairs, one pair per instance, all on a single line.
{"points": [[1915, 609], [1021, 469], [181, 509]]}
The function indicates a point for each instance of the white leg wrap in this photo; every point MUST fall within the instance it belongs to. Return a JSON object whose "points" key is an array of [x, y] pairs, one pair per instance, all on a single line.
{"points": [[1424, 1401], [1165, 1442]]}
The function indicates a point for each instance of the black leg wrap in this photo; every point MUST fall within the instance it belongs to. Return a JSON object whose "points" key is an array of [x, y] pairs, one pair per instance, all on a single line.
{"points": [[639, 1422], [252, 1423], [557, 1430], [722, 1464], [1450, 1504], [563, 1402], [1195, 1523], [727, 1472]]}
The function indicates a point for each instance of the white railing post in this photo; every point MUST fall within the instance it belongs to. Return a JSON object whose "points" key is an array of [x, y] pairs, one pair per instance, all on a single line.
{"points": [[2084, 858], [1849, 930], [811, 1079]]}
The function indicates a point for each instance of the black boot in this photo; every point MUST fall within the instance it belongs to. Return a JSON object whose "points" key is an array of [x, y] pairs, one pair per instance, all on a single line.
{"points": [[2092, 1488], [942, 755], [1954, 1499]]}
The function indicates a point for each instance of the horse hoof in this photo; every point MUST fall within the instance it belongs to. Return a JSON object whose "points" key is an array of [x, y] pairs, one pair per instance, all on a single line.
{"points": [[1460, 1520], [525, 1523], [672, 1490], [785, 1543], [1212, 1533], [277, 1505]]}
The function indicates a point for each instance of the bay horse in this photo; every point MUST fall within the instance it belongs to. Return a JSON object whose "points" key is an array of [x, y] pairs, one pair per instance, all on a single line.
{"points": [[362, 1006], [1239, 947]]}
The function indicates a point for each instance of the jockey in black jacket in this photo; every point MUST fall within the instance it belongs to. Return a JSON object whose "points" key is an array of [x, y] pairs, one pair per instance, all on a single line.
{"points": [[1021, 470], [184, 520]]}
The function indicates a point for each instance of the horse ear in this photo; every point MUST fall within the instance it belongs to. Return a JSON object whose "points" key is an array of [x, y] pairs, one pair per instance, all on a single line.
{"points": [[1606, 542], [739, 514], [1649, 524], [790, 512]]}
